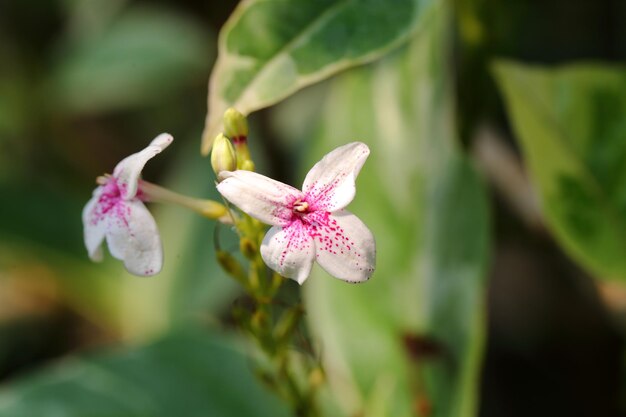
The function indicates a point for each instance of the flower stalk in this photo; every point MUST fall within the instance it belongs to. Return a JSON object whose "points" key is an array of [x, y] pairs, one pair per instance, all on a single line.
{"points": [[207, 208], [274, 326]]}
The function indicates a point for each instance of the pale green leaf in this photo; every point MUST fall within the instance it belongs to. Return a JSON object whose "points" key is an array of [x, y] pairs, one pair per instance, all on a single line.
{"points": [[571, 125], [269, 49], [186, 374], [427, 209]]}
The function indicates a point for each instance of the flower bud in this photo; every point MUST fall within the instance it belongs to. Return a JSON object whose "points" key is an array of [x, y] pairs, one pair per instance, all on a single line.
{"points": [[247, 165], [223, 156], [235, 126]]}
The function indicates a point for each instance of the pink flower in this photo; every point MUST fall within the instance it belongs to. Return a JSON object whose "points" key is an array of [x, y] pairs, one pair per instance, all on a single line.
{"points": [[116, 213], [309, 225]]}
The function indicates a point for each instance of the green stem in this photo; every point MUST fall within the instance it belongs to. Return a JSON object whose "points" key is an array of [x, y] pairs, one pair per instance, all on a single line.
{"points": [[274, 333]]}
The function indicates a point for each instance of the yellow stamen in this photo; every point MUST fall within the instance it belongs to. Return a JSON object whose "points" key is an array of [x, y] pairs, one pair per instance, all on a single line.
{"points": [[103, 179], [300, 206]]}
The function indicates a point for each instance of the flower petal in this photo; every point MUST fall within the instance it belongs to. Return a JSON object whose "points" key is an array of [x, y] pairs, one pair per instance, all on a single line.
{"points": [[261, 197], [133, 237], [129, 169], [345, 246], [330, 183], [94, 227], [290, 251]]}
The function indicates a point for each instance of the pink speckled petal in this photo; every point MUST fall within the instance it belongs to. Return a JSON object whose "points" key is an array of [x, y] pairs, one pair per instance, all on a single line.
{"points": [[331, 182], [289, 251], [94, 227], [133, 237], [129, 169], [345, 246], [259, 196]]}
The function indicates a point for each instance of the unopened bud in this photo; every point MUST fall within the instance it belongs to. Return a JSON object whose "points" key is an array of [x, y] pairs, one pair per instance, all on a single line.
{"points": [[235, 126], [236, 129], [223, 156], [247, 165]]}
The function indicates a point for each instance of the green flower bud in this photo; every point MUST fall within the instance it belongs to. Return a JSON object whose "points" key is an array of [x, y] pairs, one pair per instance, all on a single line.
{"points": [[235, 126], [223, 157], [247, 165]]}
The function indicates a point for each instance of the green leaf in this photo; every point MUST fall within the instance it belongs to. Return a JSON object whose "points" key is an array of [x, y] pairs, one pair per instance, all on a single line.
{"points": [[427, 209], [144, 54], [570, 122], [185, 374], [270, 49]]}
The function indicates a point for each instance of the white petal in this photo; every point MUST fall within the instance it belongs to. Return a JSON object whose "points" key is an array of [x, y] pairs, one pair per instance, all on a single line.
{"points": [[133, 237], [129, 169], [94, 227], [261, 197], [345, 246], [330, 183], [289, 251]]}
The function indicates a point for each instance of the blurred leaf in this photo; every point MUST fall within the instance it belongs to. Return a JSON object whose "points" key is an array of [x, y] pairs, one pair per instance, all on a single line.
{"points": [[14, 108], [412, 336], [42, 215], [270, 49], [293, 119], [91, 290], [89, 17], [143, 55], [572, 129], [185, 374], [41, 230]]}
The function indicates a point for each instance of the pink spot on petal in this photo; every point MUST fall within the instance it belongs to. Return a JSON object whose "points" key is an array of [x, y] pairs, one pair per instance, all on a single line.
{"points": [[310, 225], [111, 204]]}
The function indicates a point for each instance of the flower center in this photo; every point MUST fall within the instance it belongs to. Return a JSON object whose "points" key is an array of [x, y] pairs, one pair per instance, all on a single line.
{"points": [[300, 206], [110, 195]]}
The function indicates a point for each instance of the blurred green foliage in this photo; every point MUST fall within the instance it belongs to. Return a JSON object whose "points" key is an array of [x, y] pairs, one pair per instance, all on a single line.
{"points": [[572, 128], [80, 87], [141, 56], [422, 312], [85, 83], [190, 372]]}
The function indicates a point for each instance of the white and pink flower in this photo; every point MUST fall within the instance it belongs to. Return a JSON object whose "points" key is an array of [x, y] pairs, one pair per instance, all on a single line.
{"points": [[116, 212], [312, 224]]}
